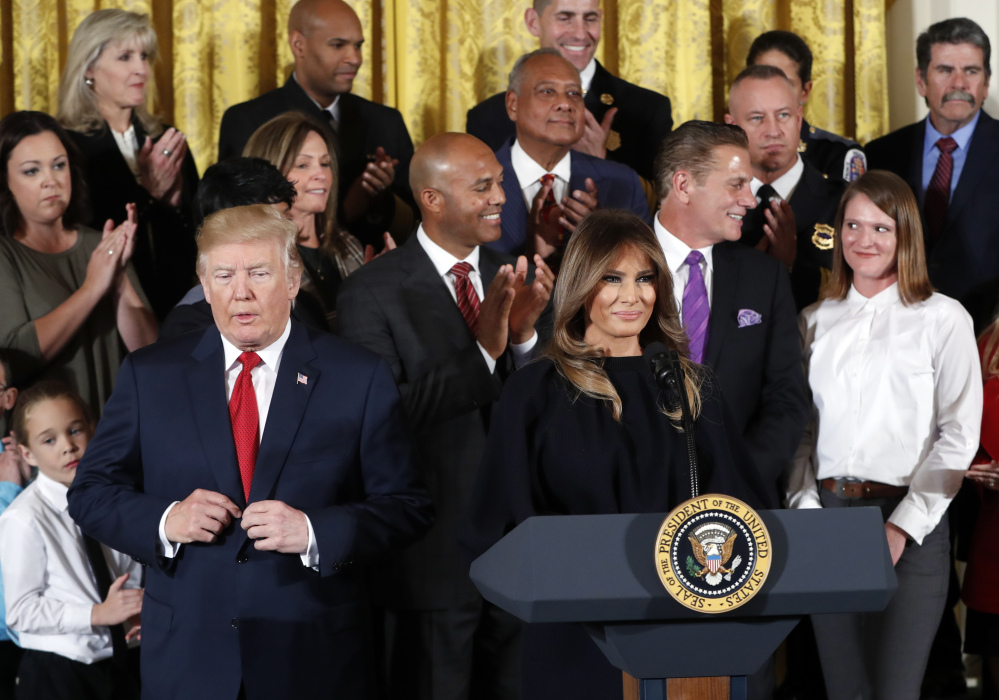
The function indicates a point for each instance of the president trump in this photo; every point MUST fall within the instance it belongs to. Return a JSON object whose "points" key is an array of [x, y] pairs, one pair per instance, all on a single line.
{"points": [[254, 468]]}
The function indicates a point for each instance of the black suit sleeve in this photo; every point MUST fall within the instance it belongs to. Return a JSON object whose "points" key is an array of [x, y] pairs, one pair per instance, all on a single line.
{"points": [[451, 387], [235, 130], [774, 432]]}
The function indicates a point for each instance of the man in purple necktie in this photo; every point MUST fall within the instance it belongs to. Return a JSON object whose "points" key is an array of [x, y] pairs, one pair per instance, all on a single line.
{"points": [[735, 301]]}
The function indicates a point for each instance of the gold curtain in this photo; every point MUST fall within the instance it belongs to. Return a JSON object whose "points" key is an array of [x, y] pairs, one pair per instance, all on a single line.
{"points": [[433, 61]]}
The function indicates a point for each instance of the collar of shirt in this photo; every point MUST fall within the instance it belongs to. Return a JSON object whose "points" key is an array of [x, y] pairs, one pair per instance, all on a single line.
{"points": [[333, 108], [882, 300], [586, 75], [128, 146], [269, 356], [53, 492], [961, 136], [676, 252], [785, 184], [443, 261], [529, 174]]}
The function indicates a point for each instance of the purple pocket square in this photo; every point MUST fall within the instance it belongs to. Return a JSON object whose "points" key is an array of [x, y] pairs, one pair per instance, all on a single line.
{"points": [[748, 317]]}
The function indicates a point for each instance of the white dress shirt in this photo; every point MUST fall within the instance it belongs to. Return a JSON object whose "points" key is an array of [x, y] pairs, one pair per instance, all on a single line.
{"points": [[128, 145], [676, 252], [529, 174], [785, 184], [896, 395], [333, 109], [586, 75], [264, 377], [443, 261], [49, 586]]}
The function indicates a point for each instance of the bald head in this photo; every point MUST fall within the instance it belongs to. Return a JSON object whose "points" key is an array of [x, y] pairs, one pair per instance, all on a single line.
{"points": [[765, 104], [458, 184], [326, 39]]}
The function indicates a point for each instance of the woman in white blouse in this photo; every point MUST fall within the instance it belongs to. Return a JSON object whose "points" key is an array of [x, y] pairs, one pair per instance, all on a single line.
{"points": [[129, 156], [896, 394]]}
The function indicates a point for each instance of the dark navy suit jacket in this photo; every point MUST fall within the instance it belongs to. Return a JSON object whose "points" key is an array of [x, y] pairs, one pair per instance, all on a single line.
{"points": [[618, 187], [224, 614], [966, 253]]}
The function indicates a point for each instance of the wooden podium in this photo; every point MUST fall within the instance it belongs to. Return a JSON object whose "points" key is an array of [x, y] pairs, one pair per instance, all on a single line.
{"points": [[599, 570]]}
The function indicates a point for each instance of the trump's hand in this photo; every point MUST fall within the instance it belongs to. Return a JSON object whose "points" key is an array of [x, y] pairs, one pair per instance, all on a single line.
{"points": [[200, 517], [276, 527], [897, 537]]}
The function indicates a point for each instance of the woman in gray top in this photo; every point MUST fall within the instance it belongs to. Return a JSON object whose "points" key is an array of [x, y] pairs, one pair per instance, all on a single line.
{"points": [[71, 304]]}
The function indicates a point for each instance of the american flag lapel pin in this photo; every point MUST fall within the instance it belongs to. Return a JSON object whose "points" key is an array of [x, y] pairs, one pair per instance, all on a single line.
{"points": [[302, 379]]}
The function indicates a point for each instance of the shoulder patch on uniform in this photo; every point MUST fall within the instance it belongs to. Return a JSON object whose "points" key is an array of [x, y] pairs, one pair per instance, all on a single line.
{"points": [[854, 164]]}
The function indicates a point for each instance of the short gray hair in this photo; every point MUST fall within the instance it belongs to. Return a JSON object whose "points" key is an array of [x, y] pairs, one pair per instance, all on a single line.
{"points": [[517, 73], [958, 30]]}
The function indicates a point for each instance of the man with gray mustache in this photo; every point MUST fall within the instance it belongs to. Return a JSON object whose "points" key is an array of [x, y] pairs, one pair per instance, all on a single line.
{"points": [[948, 157]]}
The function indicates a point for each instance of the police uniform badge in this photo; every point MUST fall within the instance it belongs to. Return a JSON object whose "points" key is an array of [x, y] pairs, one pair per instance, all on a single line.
{"points": [[822, 237], [713, 553], [854, 164], [613, 141], [802, 146], [607, 98]]}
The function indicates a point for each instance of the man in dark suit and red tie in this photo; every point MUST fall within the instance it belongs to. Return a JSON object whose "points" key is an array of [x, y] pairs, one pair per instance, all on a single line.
{"points": [[550, 187], [453, 318], [254, 469], [949, 158]]}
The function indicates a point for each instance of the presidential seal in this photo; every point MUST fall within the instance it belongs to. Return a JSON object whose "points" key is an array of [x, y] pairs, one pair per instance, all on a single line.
{"points": [[713, 553]]}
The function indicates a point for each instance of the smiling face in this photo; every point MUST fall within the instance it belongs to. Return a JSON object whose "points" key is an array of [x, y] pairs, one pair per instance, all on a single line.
{"points": [[717, 205], [57, 436], [768, 111], [549, 109], [572, 27], [328, 51], [312, 176], [621, 305], [120, 76], [955, 85], [39, 178], [249, 291], [870, 245]]}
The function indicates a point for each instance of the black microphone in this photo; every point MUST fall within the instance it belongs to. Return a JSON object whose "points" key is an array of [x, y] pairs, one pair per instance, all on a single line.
{"points": [[668, 371]]}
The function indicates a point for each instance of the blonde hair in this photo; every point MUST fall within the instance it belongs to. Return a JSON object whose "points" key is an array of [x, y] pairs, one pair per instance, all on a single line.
{"points": [[889, 193], [250, 224], [595, 246], [77, 101], [279, 141]]}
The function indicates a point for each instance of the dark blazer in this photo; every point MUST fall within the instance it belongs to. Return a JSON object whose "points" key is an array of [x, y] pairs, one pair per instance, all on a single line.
{"points": [[814, 203], [966, 253], [165, 251], [758, 367], [363, 127], [618, 187], [642, 121], [334, 446], [398, 307]]}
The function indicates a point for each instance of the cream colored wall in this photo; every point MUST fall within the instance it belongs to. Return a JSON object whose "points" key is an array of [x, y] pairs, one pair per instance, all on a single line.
{"points": [[904, 22]]}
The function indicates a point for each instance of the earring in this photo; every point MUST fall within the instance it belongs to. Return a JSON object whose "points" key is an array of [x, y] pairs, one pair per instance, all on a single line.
{"points": [[89, 81]]}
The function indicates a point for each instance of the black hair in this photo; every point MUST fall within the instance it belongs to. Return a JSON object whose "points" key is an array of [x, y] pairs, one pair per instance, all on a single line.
{"points": [[789, 44], [237, 182]]}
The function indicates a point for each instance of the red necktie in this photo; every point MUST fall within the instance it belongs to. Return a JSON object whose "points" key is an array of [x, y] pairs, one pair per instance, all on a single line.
{"points": [[468, 300], [938, 193], [245, 421], [549, 204]]}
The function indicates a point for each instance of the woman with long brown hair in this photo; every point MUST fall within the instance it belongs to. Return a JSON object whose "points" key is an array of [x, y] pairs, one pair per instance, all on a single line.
{"points": [[896, 398], [587, 430]]}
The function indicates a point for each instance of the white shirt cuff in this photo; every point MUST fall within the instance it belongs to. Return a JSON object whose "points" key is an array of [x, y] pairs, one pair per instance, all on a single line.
{"points": [[490, 362], [522, 351], [167, 548], [310, 557]]}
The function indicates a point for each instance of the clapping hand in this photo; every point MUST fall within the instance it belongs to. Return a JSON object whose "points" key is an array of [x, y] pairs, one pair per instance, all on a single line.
{"points": [[544, 232], [529, 300], [579, 205], [781, 236], [160, 166], [376, 178], [369, 250], [594, 139], [494, 313]]}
